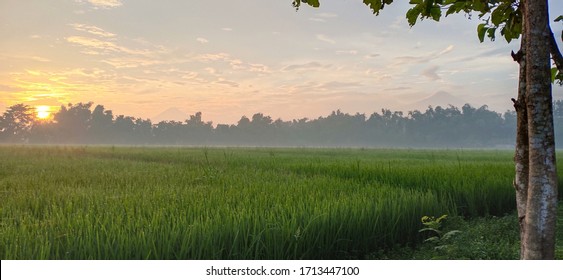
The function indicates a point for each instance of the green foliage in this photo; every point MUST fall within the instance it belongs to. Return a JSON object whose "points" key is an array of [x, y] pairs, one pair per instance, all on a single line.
{"points": [[180, 203], [439, 238], [503, 15], [478, 239]]}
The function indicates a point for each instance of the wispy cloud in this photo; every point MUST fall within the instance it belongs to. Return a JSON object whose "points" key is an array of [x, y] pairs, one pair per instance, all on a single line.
{"points": [[322, 17], [106, 4], [324, 38], [423, 58], [212, 57], [317, 19], [92, 30], [222, 81], [304, 66], [234, 63], [449, 49], [103, 46], [327, 15], [371, 56], [202, 40], [350, 52]]}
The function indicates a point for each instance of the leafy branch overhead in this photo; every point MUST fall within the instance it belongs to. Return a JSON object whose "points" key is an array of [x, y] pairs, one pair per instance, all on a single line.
{"points": [[504, 16]]}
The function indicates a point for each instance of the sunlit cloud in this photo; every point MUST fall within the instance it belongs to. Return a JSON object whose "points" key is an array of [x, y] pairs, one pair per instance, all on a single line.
{"points": [[92, 30], [212, 57], [202, 40], [305, 66], [106, 4], [222, 81], [96, 46]]}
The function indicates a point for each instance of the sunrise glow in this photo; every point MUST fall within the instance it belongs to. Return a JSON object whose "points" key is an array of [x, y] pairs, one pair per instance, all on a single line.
{"points": [[227, 59], [43, 112]]}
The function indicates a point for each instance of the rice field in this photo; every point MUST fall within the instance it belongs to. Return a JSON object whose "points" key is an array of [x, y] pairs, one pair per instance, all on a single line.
{"points": [[236, 203]]}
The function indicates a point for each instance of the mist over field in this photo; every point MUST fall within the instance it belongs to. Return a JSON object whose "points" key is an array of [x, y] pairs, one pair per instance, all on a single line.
{"points": [[435, 127]]}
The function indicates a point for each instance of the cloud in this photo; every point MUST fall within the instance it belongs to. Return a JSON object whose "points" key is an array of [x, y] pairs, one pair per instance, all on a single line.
{"points": [[211, 70], [327, 15], [446, 50], [25, 57], [202, 40], [424, 58], [101, 45], [208, 57], [400, 88], [222, 81], [317, 19], [106, 4], [334, 85], [234, 63], [350, 52], [370, 56], [431, 74], [309, 65], [324, 38], [322, 17], [227, 29], [92, 30]]}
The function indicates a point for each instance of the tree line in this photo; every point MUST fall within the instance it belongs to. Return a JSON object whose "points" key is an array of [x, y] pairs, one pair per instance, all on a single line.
{"points": [[435, 127]]}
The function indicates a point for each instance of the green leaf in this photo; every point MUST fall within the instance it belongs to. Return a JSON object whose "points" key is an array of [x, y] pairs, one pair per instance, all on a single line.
{"points": [[413, 14], [491, 33], [553, 74], [430, 229], [432, 239], [481, 30], [450, 233], [314, 3], [478, 5], [559, 18], [374, 5], [499, 15], [452, 9], [436, 13]]}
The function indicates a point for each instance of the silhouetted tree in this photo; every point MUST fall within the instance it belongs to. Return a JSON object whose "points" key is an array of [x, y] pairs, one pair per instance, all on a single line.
{"points": [[16, 123]]}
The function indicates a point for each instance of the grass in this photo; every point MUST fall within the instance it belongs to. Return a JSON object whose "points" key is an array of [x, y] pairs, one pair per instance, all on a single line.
{"points": [[203, 203]]}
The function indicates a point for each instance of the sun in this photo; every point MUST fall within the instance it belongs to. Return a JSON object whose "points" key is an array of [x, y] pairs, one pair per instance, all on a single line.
{"points": [[43, 112]]}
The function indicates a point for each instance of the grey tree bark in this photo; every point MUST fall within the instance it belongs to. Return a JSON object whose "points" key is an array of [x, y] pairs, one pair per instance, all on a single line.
{"points": [[541, 204], [521, 155]]}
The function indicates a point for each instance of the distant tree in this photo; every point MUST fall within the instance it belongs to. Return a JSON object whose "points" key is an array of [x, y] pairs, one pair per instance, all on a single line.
{"points": [[101, 125], [73, 122], [143, 132], [198, 131], [536, 172], [124, 130], [16, 123]]}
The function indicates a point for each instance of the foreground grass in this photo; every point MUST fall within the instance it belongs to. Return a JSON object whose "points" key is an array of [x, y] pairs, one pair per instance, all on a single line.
{"points": [[483, 238], [180, 203]]}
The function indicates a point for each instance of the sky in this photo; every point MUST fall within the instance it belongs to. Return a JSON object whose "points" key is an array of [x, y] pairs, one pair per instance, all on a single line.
{"points": [[233, 58]]}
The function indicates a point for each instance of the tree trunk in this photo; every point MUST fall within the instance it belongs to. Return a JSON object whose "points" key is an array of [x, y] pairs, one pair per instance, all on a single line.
{"points": [[541, 205], [521, 155]]}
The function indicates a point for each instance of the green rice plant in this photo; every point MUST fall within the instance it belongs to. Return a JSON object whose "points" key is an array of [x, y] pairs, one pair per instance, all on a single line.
{"points": [[236, 203]]}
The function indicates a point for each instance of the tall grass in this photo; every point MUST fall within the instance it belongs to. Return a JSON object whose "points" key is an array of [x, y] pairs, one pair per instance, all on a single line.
{"points": [[188, 203]]}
